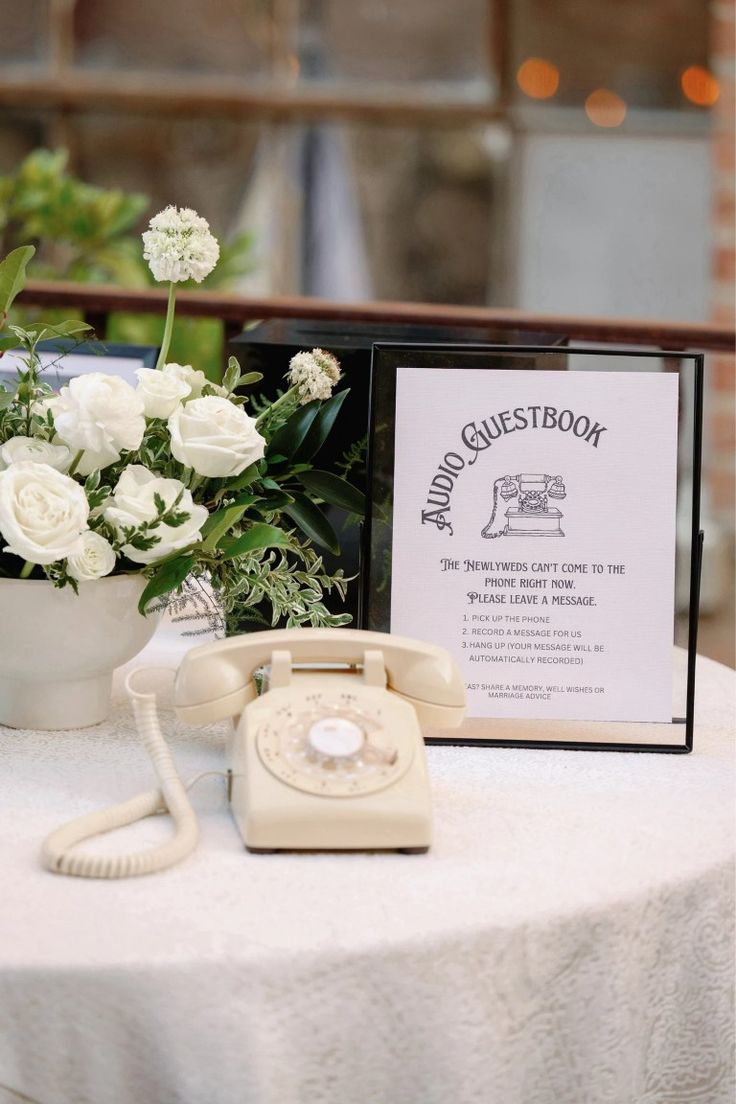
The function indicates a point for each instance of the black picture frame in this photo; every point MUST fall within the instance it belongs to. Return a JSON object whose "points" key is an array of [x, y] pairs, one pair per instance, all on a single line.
{"points": [[376, 574]]}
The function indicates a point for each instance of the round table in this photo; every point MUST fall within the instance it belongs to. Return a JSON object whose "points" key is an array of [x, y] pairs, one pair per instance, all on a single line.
{"points": [[567, 940]]}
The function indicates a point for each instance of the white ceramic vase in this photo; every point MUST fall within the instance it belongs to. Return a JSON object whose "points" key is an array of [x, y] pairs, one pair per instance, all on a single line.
{"points": [[58, 649]]}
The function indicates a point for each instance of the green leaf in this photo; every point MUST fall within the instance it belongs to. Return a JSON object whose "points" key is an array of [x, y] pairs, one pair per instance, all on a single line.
{"points": [[232, 374], [166, 578], [13, 275], [312, 522], [144, 541], [321, 427], [244, 480], [290, 436], [219, 523], [336, 491], [176, 518], [270, 503], [244, 500], [69, 328], [249, 377], [25, 337], [257, 537]]}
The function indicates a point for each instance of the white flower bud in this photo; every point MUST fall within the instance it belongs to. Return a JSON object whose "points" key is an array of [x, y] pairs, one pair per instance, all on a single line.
{"points": [[94, 559], [315, 374], [161, 393], [194, 378]]}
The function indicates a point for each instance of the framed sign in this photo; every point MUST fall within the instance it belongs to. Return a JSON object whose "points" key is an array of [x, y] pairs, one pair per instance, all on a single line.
{"points": [[63, 358], [530, 509]]}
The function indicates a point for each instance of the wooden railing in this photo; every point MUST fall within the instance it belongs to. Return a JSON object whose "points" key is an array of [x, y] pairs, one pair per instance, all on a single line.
{"points": [[95, 303]]}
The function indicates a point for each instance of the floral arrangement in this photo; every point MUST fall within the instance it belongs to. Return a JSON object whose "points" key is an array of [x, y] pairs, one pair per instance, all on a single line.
{"points": [[172, 479]]}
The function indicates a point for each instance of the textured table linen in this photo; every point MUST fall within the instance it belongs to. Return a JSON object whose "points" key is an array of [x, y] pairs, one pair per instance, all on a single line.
{"points": [[568, 939]]}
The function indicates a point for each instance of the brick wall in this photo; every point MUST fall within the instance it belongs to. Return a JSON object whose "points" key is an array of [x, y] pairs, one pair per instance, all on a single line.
{"points": [[720, 428]]}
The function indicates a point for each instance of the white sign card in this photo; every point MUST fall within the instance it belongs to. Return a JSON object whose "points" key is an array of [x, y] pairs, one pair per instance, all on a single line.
{"points": [[534, 536], [59, 366]]}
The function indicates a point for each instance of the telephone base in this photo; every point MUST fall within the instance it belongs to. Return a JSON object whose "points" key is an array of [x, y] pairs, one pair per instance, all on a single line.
{"points": [[282, 800], [347, 851]]}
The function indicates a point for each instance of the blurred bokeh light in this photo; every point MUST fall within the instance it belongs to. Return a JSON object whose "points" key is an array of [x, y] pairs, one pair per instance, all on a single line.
{"points": [[700, 86], [605, 108], [538, 78]]}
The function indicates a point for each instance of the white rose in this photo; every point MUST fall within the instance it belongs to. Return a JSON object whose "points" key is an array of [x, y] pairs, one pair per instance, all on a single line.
{"points": [[161, 393], [215, 437], [42, 512], [101, 414], [133, 502], [95, 558], [19, 449], [195, 379]]}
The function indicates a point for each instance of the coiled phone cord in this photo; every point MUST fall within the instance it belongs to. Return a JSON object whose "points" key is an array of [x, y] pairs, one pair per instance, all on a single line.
{"points": [[172, 797]]}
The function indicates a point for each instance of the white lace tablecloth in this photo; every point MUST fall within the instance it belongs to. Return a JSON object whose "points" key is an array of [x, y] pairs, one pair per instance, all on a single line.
{"points": [[568, 939]]}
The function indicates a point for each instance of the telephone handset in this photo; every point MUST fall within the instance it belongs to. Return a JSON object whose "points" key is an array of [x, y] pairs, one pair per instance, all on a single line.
{"points": [[329, 757]]}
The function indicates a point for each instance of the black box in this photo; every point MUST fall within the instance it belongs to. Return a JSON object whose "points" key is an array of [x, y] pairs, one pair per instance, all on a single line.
{"points": [[269, 346]]}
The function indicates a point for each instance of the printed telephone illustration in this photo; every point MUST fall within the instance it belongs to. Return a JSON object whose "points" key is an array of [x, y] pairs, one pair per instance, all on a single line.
{"points": [[329, 756], [534, 513]]}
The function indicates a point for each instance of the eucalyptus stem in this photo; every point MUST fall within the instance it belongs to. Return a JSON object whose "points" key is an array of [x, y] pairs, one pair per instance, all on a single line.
{"points": [[168, 327], [26, 569]]}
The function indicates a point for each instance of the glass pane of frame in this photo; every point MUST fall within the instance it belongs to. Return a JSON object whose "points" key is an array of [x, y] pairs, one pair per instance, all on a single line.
{"points": [[530, 510]]}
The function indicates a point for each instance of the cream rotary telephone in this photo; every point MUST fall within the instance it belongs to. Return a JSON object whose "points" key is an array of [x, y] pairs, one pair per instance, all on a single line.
{"points": [[329, 757]]}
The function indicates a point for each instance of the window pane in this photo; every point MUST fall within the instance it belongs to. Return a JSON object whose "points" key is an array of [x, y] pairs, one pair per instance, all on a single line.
{"points": [[188, 162], [634, 48], [185, 36], [24, 37], [409, 42]]}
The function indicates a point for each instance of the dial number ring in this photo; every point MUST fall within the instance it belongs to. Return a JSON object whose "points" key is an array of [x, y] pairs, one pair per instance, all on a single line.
{"points": [[285, 749]]}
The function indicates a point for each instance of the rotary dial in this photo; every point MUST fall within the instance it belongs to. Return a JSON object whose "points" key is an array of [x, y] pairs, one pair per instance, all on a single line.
{"points": [[332, 747]]}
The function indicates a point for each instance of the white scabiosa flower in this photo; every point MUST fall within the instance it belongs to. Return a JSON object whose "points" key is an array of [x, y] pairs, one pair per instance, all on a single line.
{"points": [[179, 246], [314, 374], [94, 559]]}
